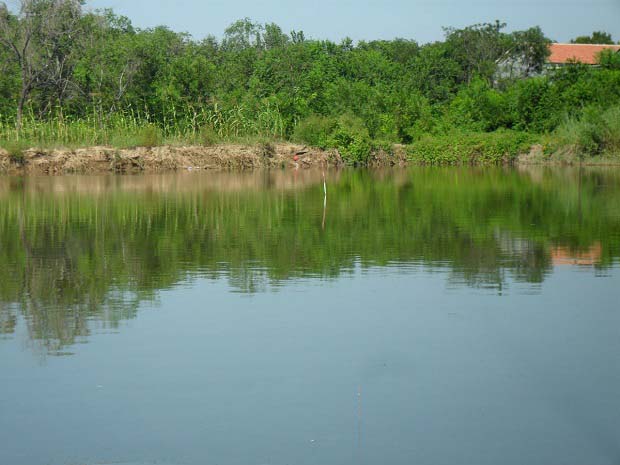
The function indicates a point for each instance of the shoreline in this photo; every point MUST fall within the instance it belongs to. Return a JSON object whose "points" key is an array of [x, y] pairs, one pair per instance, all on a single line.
{"points": [[239, 157], [102, 159]]}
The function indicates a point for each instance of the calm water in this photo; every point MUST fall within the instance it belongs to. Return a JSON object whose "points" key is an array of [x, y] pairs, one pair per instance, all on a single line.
{"points": [[429, 316]]}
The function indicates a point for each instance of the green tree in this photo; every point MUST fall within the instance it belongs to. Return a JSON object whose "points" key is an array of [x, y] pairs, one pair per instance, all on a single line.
{"points": [[243, 34], [41, 38], [106, 69], [478, 49], [531, 49], [609, 59], [597, 37]]}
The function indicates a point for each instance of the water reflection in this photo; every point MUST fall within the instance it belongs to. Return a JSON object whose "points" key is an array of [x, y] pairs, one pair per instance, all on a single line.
{"points": [[78, 249]]}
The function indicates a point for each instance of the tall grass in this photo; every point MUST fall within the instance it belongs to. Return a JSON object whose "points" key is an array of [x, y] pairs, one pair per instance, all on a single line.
{"points": [[132, 128], [594, 133]]}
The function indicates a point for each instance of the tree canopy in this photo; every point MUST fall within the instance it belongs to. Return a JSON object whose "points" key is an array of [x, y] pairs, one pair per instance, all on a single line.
{"points": [[597, 37]]}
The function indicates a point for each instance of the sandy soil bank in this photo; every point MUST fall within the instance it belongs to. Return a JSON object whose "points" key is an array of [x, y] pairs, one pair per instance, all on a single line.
{"points": [[227, 157], [167, 158]]}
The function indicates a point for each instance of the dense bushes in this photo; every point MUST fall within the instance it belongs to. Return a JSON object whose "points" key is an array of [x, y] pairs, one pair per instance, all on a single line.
{"points": [[458, 148], [595, 132], [124, 86], [347, 134], [315, 130]]}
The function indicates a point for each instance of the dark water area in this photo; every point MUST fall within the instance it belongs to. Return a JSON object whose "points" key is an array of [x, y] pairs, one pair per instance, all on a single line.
{"points": [[431, 316]]}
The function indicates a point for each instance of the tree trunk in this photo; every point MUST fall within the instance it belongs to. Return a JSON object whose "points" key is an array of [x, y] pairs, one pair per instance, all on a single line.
{"points": [[20, 107]]}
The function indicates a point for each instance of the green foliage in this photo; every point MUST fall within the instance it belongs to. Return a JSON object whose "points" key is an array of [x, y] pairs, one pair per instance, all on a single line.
{"points": [[597, 37], [207, 136], [536, 103], [594, 133], [125, 86], [346, 134], [611, 124], [352, 140], [477, 48], [16, 150], [478, 107], [315, 130], [609, 59], [530, 48], [470, 148], [149, 136]]}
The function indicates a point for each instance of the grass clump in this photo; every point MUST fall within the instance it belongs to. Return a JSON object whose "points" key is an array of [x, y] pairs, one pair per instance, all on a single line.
{"points": [[16, 150], [149, 136], [207, 136]]}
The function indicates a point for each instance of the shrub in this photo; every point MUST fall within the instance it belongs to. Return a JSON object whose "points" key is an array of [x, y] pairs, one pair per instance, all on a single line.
{"points": [[478, 107], [352, 140], [593, 133], [536, 104], [609, 59], [347, 134], [315, 130], [611, 119], [384, 126], [470, 148]]}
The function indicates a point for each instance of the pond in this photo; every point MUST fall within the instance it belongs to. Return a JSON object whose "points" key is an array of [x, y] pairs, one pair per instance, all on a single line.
{"points": [[422, 315]]}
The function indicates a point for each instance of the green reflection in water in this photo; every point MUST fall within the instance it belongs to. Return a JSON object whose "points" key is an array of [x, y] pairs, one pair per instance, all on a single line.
{"points": [[80, 249]]}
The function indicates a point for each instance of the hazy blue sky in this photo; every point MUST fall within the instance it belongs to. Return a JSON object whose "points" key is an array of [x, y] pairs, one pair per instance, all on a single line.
{"points": [[421, 20]]}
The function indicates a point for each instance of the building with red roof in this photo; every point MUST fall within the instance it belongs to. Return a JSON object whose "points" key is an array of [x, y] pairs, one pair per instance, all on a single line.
{"points": [[562, 54]]}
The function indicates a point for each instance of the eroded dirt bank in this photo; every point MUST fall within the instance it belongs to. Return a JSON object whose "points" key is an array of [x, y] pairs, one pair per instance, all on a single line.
{"points": [[94, 160], [167, 158]]}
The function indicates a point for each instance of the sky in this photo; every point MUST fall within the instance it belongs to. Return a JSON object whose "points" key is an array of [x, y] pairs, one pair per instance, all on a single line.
{"points": [[421, 20]]}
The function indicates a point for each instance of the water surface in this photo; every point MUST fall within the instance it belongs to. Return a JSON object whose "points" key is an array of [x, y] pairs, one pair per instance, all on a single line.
{"points": [[433, 316]]}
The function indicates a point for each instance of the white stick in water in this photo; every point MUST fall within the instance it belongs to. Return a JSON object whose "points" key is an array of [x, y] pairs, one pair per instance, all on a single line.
{"points": [[324, 184], [324, 201]]}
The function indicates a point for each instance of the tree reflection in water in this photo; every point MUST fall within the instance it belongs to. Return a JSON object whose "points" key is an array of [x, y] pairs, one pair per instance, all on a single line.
{"points": [[79, 249]]}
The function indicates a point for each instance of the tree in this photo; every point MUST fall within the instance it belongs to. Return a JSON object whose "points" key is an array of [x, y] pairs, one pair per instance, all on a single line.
{"points": [[531, 48], [609, 59], [9, 82], [435, 73], [298, 37], [597, 37], [401, 51], [243, 34], [525, 56], [273, 37], [108, 63], [477, 49], [40, 37]]}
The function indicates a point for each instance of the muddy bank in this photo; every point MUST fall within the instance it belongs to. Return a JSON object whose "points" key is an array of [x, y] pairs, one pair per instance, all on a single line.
{"points": [[95, 160], [565, 156], [168, 158]]}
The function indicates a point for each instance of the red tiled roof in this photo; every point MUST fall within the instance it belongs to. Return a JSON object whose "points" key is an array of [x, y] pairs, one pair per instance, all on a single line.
{"points": [[584, 53]]}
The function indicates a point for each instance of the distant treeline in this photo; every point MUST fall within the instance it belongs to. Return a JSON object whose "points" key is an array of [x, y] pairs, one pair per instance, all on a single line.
{"points": [[76, 77]]}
